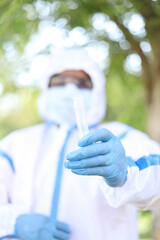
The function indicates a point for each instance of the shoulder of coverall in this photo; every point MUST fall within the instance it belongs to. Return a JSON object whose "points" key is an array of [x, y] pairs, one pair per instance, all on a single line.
{"points": [[19, 134], [135, 136], [122, 130], [117, 128]]}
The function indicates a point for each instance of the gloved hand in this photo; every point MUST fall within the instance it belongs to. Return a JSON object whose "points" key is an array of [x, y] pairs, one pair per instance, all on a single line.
{"points": [[40, 227], [102, 154]]}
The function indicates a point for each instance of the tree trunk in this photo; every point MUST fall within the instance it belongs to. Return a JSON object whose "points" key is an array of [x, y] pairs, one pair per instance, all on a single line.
{"points": [[153, 124], [156, 224], [153, 127]]}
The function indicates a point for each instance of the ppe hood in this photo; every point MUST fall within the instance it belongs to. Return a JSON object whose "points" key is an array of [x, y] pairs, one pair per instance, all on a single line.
{"points": [[78, 59]]}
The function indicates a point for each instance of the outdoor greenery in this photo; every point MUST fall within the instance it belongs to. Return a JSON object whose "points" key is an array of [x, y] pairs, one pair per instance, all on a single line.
{"points": [[131, 93]]}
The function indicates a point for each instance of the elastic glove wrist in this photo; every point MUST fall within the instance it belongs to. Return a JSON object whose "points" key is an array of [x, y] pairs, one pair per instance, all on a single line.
{"points": [[119, 179]]}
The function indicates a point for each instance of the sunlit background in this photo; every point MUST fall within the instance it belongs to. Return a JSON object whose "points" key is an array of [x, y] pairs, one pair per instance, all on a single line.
{"points": [[119, 35]]}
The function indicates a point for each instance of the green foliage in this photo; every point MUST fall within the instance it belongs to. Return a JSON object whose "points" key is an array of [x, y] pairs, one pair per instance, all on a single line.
{"points": [[125, 95], [145, 225], [126, 100], [15, 23], [19, 19], [23, 114]]}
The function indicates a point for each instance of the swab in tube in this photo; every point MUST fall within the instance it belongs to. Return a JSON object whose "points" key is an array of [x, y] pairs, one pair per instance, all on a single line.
{"points": [[80, 114]]}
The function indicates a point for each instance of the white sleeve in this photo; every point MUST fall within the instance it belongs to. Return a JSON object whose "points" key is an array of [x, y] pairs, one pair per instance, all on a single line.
{"points": [[8, 210], [142, 187]]}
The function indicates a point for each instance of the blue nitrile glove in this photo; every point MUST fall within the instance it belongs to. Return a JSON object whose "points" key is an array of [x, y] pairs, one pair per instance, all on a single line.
{"points": [[102, 154], [40, 227]]}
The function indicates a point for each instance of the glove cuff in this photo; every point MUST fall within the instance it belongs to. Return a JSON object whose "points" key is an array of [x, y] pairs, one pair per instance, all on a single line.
{"points": [[120, 178]]}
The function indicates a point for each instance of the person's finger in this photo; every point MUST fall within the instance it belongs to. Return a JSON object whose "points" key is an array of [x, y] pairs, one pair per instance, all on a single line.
{"points": [[63, 226], [90, 151], [102, 135], [101, 160], [61, 235], [99, 171]]}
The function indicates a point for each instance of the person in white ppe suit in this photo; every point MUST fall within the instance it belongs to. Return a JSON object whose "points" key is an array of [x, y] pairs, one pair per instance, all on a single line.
{"points": [[40, 199]]}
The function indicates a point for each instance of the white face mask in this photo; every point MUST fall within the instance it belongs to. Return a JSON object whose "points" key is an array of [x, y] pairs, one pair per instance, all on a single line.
{"points": [[56, 103]]}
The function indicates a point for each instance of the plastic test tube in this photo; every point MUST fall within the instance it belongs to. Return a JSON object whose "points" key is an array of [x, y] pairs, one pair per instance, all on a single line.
{"points": [[80, 114]]}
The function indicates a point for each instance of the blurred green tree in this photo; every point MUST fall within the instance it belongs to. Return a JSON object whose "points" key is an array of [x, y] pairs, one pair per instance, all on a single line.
{"points": [[19, 19], [93, 16], [136, 36]]}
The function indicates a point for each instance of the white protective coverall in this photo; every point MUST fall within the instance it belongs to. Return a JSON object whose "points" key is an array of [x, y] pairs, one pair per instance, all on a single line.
{"points": [[28, 166]]}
